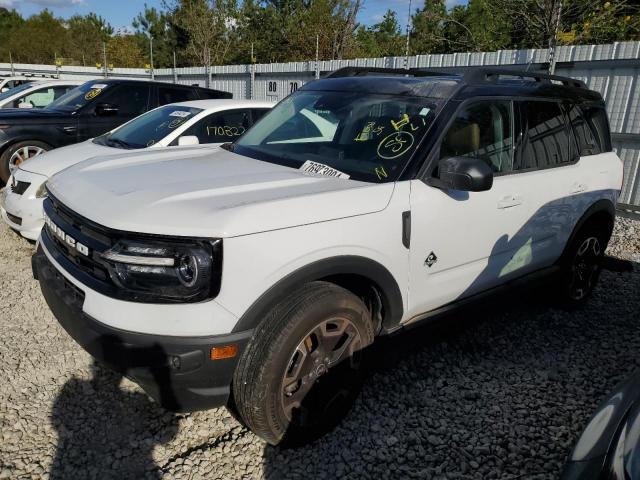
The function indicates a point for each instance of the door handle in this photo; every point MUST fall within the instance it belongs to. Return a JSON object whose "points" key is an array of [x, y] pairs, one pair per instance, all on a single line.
{"points": [[577, 188], [508, 201]]}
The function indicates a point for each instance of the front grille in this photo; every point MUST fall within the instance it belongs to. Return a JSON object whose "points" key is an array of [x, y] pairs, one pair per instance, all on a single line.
{"points": [[15, 220], [86, 267], [19, 187]]}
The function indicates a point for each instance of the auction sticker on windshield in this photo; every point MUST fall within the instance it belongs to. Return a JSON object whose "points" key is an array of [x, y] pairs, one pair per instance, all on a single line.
{"points": [[179, 113], [322, 169]]}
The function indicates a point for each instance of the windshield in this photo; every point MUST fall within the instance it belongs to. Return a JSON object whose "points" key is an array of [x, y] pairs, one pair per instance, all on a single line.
{"points": [[14, 90], [78, 97], [149, 128], [342, 134]]}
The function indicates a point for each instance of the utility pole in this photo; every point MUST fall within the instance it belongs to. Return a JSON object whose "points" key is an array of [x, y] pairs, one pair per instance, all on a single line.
{"points": [[151, 56], [553, 40], [406, 50], [13, 72], [208, 69], [175, 72], [104, 58], [252, 72], [317, 56]]}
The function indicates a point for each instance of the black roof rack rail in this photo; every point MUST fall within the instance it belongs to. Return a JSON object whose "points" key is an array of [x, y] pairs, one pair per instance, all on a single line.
{"points": [[363, 71], [482, 75], [469, 75]]}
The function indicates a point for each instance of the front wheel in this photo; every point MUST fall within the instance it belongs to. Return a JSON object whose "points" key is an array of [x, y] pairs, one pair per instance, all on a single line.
{"points": [[581, 266], [304, 366], [17, 154]]}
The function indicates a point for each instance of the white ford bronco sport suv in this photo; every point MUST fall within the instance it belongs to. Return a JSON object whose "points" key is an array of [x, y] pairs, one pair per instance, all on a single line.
{"points": [[368, 201]]}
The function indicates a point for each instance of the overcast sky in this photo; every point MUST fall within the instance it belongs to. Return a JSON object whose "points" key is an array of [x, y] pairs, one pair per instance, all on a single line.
{"points": [[119, 13]]}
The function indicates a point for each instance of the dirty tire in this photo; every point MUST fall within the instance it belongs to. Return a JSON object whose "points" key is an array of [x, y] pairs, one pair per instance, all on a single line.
{"points": [[321, 329], [581, 266]]}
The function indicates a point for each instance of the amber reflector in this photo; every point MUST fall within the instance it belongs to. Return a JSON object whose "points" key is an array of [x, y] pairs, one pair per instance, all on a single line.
{"points": [[220, 353]]}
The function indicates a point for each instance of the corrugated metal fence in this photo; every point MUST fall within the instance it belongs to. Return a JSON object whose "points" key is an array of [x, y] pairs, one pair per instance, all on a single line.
{"points": [[612, 69]]}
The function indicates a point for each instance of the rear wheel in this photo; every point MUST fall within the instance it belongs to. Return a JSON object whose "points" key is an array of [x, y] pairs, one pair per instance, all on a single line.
{"points": [[582, 265], [17, 154], [304, 366]]}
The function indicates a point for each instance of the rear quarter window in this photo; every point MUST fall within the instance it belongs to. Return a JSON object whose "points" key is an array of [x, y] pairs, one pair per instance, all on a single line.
{"points": [[597, 120], [175, 94], [585, 136]]}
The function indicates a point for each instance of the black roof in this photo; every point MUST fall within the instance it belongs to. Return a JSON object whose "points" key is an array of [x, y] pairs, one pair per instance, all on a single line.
{"points": [[111, 81], [470, 82]]}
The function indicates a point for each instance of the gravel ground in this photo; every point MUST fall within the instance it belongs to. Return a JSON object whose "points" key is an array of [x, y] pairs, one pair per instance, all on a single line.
{"points": [[501, 392]]}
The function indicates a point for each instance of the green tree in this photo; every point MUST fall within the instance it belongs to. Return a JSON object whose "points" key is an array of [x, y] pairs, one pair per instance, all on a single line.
{"points": [[124, 51], [428, 28], [85, 36], [157, 24], [384, 39], [38, 39], [10, 22], [210, 27]]}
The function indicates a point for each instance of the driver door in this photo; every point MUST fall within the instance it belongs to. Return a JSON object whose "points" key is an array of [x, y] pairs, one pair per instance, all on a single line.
{"points": [[130, 101], [465, 242]]}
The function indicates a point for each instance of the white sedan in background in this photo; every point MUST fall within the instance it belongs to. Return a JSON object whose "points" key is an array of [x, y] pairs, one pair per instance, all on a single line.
{"points": [[207, 123], [36, 94]]}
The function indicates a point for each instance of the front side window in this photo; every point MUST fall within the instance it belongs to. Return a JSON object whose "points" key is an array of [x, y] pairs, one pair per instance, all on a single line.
{"points": [[546, 137], [131, 100], [80, 96], [368, 137], [149, 128], [221, 127], [482, 130]]}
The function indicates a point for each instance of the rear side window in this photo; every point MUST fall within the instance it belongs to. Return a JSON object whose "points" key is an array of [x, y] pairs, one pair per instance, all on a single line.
{"points": [[585, 135], [482, 130], [206, 93], [173, 95], [597, 120], [546, 136], [221, 127]]}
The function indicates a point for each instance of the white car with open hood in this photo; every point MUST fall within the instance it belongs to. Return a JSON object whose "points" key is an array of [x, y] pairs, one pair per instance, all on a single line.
{"points": [[206, 123], [258, 275]]}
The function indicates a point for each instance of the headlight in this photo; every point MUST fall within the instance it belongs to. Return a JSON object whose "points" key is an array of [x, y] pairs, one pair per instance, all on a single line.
{"points": [[42, 191], [188, 271]]}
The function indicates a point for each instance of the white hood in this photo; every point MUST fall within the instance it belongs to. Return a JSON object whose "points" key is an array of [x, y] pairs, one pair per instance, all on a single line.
{"points": [[208, 194], [56, 160]]}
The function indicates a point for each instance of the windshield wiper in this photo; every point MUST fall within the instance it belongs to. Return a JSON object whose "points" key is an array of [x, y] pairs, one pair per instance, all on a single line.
{"points": [[121, 143]]}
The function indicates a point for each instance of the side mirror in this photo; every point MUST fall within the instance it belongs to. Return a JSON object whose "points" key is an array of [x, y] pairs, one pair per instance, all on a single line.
{"points": [[463, 173], [4, 89], [25, 105], [188, 140], [106, 109]]}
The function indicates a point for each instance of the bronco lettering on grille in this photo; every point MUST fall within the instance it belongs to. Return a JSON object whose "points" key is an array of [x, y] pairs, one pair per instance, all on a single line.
{"points": [[71, 242]]}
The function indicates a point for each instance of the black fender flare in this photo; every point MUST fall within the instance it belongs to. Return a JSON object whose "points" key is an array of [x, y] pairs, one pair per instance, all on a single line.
{"points": [[371, 270], [601, 206]]}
